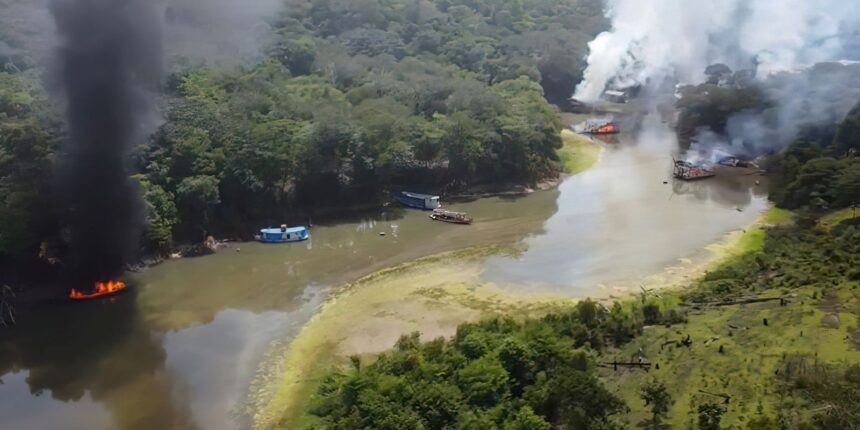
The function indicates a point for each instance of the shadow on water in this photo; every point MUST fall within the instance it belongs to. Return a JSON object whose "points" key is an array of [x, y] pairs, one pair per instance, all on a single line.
{"points": [[98, 351], [179, 350]]}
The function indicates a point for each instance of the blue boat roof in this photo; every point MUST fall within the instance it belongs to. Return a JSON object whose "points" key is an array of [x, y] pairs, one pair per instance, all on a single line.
{"points": [[278, 230]]}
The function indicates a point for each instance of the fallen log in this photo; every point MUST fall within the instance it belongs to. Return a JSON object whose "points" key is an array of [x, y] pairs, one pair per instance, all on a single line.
{"points": [[735, 302], [724, 396], [615, 364]]}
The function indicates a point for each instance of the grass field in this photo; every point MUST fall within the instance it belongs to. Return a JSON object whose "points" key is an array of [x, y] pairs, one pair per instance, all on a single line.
{"points": [[831, 220], [578, 154], [734, 353]]}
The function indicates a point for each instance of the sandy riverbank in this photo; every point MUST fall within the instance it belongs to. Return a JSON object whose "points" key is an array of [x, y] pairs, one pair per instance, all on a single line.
{"points": [[434, 295]]}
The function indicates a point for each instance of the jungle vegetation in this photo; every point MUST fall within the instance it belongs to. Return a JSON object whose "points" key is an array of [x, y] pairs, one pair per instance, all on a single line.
{"points": [[349, 99], [544, 373]]}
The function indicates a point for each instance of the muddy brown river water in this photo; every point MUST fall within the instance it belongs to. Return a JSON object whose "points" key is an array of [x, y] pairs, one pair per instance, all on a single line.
{"points": [[180, 349]]}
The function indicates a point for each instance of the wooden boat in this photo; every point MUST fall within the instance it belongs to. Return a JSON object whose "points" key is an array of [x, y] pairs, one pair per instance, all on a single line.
{"points": [[283, 234], [449, 216], [417, 201]]}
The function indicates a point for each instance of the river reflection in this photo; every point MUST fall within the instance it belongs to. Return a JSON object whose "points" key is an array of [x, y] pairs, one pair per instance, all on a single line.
{"points": [[179, 350], [627, 218], [98, 355]]}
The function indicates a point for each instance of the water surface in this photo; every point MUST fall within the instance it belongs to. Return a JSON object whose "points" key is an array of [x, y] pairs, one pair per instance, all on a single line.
{"points": [[180, 350]]}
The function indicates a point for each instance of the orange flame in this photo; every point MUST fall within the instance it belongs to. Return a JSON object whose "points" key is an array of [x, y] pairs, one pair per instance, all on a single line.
{"points": [[102, 289], [608, 129]]}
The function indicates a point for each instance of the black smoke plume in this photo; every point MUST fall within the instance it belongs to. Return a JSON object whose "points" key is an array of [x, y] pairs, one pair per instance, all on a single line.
{"points": [[109, 65]]}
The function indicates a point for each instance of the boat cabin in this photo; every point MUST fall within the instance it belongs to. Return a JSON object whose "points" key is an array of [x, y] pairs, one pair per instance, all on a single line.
{"points": [[283, 234], [418, 201]]}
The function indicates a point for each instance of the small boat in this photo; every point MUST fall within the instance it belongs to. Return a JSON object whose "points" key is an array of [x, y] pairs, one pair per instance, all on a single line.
{"points": [[283, 234], [417, 201], [449, 216]]}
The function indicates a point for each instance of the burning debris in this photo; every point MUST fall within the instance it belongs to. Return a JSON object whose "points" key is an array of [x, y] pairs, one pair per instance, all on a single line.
{"points": [[108, 64], [732, 161], [598, 126], [688, 171], [608, 98], [101, 289]]}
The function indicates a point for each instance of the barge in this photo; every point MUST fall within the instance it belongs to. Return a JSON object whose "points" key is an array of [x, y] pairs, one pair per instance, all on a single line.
{"points": [[418, 201]]}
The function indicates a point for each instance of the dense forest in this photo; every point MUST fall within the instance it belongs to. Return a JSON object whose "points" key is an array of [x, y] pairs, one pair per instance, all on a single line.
{"points": [[347, 100]]}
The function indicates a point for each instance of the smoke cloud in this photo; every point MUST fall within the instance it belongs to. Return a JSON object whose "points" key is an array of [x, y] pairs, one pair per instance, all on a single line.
{"points": [[109, 63], [25, 33], [194, 32], [653, 40], [218, 32]]}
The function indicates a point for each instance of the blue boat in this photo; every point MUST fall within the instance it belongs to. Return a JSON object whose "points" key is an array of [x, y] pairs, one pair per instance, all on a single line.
{"points": [[283, 234], [418, 201]]}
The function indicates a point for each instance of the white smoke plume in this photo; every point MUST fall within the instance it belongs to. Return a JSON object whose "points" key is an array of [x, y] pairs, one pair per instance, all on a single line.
{"points": [[218, 32], [657, 39]]}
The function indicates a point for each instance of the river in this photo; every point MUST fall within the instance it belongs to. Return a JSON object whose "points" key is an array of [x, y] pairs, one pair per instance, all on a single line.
{"points": [[180, 349]]}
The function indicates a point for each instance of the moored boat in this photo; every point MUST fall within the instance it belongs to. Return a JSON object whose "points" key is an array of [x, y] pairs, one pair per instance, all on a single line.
{"points": [[449, 216], [283, 234], [418, 201]]}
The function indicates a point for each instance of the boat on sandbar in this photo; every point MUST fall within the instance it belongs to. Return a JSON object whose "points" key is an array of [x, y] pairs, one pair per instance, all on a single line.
{"points": [[450, 216], [283, 234]]}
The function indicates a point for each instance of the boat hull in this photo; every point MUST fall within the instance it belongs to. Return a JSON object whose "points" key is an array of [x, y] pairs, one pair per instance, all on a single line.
{"points": [[262, 240], [285, 235], [451, 220]]}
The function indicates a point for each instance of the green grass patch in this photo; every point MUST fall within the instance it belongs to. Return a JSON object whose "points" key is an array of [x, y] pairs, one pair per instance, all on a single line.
{"points": [[833, 219], [777, 216], [578, 153], [746, 369], [751, 240]]}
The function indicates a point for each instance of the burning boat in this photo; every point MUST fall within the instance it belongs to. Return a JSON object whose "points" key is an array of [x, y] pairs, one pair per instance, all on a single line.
{"points": [[102, 289], [732, 161], [599, 127], [688, 171], [449, 216]]}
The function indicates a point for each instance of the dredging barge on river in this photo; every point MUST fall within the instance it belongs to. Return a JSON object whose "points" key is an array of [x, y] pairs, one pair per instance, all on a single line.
{"points": [[417, 201], [688, 171], [600, 127]]}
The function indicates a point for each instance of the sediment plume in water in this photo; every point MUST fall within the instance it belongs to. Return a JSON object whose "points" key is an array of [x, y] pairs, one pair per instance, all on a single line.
{"points": [[108, 65]]}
